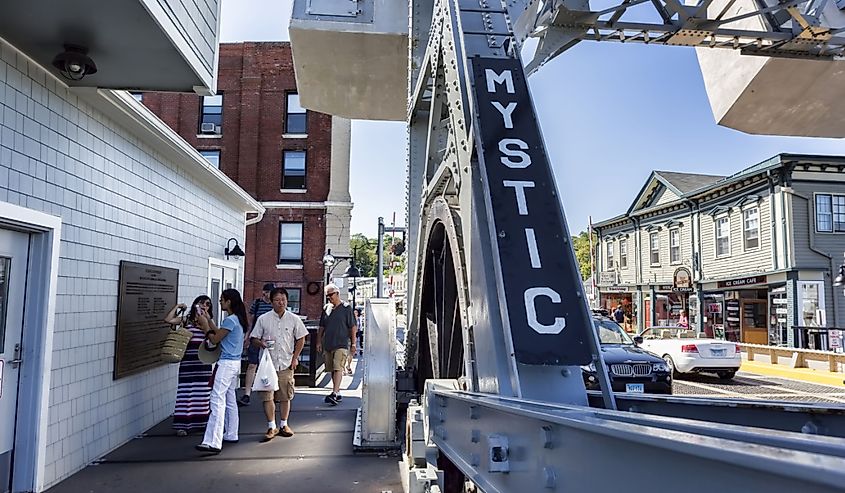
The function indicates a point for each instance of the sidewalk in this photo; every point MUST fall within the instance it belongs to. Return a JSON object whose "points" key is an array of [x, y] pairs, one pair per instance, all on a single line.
{"points": [[801, 374], [319, 458]]}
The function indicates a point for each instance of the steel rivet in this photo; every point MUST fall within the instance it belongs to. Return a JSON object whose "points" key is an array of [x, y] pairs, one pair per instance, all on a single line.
{"points": [[546, 437], [565, 372], [550, 477], [475, 436]]}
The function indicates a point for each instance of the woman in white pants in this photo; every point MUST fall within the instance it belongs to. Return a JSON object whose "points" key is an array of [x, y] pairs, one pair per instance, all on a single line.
{"points": [[223, 421]]}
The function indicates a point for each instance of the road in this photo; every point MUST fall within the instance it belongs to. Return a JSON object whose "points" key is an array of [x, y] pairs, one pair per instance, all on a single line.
{"points": [[752, 386]]}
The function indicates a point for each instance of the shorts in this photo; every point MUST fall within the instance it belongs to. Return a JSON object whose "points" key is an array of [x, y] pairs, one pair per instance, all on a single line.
{"points": [[336, 360], [253, 354], [286, 388]]}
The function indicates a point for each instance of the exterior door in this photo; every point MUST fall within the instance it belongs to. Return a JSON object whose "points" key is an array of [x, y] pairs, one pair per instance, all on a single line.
{"points": [[221, 276], [14, 255]]}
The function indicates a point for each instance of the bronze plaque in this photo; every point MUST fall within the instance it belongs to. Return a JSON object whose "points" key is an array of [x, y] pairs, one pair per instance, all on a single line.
{"points": [[147, 292]]}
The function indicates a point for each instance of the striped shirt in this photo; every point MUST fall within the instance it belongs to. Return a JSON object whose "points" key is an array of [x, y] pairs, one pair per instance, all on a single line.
{"points": [[259, 307]]}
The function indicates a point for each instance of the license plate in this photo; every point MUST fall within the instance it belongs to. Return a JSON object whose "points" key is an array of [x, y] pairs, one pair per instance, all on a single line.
{"points": [[635, 388], [718, 352]]}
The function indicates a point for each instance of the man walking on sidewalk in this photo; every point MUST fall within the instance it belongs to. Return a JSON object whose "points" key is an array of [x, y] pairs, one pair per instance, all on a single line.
{"points": [[283, 334], [338, 331]]}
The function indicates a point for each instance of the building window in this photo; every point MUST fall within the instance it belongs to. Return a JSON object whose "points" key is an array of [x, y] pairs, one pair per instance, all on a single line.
{"points": [[294, 295], [751, 228], [830, 213], [293, 170], [723, 236], [654, 242], [295, 115], [610, 254], [623, 254], [674, 246], [212, 156], [211, 116], [139, 96], [290, 243]]}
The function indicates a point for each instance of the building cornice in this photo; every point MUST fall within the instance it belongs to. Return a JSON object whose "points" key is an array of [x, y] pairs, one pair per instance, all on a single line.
{"points": [[306, 205]]}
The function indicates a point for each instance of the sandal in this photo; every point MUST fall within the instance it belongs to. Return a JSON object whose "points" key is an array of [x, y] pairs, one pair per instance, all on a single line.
{"points": [[181, 433]]}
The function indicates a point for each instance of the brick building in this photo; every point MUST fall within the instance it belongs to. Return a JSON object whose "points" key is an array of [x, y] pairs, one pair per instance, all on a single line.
{"points": [[294, 162]]}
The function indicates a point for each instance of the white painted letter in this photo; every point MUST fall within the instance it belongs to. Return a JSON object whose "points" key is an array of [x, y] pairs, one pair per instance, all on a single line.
{"points": [[530, 295], [524, 159], [494, 78], [506, 112], [519, 188], [532, 248]]}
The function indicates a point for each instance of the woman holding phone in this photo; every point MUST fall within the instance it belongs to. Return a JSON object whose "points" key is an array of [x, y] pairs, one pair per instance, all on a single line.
{"points": [[194, 390], [223, 421]]}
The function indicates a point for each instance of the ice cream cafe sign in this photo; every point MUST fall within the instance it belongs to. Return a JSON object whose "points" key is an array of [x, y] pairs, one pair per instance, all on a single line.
{"points": [[682, 281]]}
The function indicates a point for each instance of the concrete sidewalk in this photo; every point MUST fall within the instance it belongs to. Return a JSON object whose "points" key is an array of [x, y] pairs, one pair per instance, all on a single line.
{"points": [[319, 458], [802, 374]]}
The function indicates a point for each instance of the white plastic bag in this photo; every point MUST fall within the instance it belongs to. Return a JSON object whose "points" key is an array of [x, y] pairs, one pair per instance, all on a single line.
{"points": [[266, 378]]}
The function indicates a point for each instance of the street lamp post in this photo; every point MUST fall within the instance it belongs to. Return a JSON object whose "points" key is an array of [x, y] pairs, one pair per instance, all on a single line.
{"points": [[330, 262]]}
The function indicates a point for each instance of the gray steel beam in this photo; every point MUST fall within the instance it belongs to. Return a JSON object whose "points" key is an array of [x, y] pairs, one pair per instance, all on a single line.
{"points": [[507, 445]]}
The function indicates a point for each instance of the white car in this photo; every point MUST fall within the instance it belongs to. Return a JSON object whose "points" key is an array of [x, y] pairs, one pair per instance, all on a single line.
{"points": [[685, 352]]}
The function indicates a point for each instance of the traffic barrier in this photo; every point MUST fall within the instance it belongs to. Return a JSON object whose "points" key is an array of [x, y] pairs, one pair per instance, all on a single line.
{"points": [[795, 357]]}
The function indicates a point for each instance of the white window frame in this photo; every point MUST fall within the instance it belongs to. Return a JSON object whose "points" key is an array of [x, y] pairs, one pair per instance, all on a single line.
{"points": [[831, 215], [609, 259], [672, 248], [652, 250], [745, 229], [292, 262], [716, 236], [623, 253]]}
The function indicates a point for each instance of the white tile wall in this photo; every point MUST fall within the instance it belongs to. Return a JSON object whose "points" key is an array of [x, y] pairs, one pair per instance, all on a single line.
{"points": [[119, 200]]}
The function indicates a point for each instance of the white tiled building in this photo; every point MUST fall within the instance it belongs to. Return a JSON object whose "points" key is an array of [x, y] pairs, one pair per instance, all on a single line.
{"points": [[90, 178]]}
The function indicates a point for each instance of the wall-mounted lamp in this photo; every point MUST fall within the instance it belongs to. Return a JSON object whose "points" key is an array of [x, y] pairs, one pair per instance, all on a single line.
{"points": [[233, 252], [74, 63]]}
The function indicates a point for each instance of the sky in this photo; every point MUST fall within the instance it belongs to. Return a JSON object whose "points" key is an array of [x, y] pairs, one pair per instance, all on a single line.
{"points": [[610, 114]]}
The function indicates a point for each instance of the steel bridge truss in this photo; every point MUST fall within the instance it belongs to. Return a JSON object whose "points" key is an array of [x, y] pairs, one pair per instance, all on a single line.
{"points": [[496, 304], [789, 28]]}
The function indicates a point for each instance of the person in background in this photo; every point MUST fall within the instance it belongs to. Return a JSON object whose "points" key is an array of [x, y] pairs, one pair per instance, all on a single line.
{"points": [[357, 314], [619, 314], [223, 421], [194, 387], [337, 324], [282, 333], [683, 319], [259, 307]]}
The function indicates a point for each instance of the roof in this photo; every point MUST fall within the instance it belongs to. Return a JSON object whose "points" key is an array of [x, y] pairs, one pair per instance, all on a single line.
{"points": [[687, 182]]}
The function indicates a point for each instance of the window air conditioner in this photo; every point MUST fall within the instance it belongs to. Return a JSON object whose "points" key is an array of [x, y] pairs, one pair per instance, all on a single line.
{"points": [[208, 128]]}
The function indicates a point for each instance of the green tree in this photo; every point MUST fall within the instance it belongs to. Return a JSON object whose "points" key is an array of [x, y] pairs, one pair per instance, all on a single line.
{"points": [[581, 245], [364, 251]]}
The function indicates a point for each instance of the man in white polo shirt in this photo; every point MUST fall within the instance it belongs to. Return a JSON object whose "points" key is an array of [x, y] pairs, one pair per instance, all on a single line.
{"points": [[283, 334]]}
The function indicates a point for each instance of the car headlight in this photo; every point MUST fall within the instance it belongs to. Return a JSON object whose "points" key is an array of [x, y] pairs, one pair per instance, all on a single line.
{"points": [[589, 368], [659, 367]]}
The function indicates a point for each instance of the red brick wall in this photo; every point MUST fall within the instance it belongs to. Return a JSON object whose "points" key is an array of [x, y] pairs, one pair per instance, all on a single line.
{"points": [[254, 79]]}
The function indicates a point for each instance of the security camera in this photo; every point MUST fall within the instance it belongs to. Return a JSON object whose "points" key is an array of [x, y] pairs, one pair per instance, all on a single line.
{"points": [[74, 63]]}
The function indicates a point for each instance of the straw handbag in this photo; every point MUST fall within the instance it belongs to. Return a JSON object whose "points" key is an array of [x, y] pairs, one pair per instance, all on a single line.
{"points": [[176, 343]]}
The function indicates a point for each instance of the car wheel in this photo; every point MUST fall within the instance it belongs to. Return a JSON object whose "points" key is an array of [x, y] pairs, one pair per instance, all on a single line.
{"points": [[671, 364], [726, 375]]}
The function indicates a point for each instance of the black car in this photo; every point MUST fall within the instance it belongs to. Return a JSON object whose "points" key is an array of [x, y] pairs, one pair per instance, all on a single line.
{"points": [[630, 368]]}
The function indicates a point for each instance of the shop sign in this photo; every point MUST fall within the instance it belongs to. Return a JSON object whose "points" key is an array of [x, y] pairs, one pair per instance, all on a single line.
{"points": [[663, 287], [779, 301], [781, 311], [834, 339], [682, 281], [607, 277], [615, 289], [745, 281]]}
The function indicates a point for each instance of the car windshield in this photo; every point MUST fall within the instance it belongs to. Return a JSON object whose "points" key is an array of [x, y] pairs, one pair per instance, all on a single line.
{"points": [[611, 333]]}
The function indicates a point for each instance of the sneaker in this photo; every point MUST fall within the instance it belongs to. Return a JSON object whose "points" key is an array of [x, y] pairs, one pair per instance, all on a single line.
{"points": [[226, 440], [207, 449], [331, 399], [181, 433], [286, 431], [338, 397], [244, 400], [271, 434]]}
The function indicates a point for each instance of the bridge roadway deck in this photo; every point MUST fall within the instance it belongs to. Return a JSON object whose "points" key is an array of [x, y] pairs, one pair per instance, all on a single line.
{"points": [[319, 458]]}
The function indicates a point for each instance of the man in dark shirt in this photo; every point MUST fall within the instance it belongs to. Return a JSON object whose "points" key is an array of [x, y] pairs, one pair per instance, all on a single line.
{"points": [[338, 331], [259, 307], [619, 314]]}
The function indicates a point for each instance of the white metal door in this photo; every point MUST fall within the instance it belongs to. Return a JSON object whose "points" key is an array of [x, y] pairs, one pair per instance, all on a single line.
{"points": [[14, 253], [221, 276]]}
